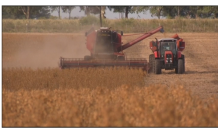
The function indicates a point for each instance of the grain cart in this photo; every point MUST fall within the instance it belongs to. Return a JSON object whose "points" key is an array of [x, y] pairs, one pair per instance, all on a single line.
{"points": [[167, 54]]}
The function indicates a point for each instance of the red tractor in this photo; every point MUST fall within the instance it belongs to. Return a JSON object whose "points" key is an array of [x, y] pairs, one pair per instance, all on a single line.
{"points": [[167, 55], [106, 49]]}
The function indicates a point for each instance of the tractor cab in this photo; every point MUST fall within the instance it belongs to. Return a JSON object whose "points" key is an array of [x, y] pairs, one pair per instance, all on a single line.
{"points": [[167, 45]]}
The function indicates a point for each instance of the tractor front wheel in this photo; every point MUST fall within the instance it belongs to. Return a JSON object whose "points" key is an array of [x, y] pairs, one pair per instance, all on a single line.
{"points": [[157, 66], [180, 66]]}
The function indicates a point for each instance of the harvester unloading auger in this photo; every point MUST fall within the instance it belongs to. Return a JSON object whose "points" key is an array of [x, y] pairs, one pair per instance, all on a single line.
{"points": [[106, 49]]}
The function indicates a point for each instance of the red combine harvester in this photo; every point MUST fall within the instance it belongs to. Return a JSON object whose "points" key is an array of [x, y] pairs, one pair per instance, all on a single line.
{"points": [[106, 48], [167, 55]]}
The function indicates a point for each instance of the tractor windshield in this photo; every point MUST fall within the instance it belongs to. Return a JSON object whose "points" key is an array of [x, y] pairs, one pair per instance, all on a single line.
{"points": [[168, 46], [104, 43]]}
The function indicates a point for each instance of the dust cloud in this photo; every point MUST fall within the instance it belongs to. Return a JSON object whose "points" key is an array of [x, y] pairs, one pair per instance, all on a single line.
{"points": [[44, 51]]}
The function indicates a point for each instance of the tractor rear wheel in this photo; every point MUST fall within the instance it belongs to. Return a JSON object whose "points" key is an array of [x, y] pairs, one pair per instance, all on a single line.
{"points": [[183, 58], [151, 63], [157, 66], [180, 66]]}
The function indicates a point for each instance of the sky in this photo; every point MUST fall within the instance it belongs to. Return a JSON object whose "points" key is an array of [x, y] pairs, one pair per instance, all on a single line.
{"points": [[108, 14]]}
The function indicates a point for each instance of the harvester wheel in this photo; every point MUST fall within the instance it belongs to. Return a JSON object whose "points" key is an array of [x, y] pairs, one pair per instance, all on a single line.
{"points": [[180, 66], [157, 66], [151, 63], [87, 57]]}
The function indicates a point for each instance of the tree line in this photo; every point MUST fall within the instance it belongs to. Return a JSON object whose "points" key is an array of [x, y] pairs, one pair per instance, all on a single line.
{"points": [[170, 12]]}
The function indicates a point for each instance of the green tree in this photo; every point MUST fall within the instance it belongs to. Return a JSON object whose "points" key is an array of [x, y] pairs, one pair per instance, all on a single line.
{"points": [[56, 8], [27, 12], [40, 12], [183, 11], [156, 11], [90, 10], [191, 11], [214, 10], [93, 10], [122, 9], [68, 9], [210, 11], [171, 11], [139, 9], [12, 12]]}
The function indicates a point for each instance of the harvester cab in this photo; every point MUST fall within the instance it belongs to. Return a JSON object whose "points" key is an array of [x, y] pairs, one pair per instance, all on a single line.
{"points": [[102, 44], [167, 55], [106, 49]]}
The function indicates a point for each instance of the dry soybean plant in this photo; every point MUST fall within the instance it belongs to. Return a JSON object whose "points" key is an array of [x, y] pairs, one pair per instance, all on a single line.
{"points": [[94, 97]]}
